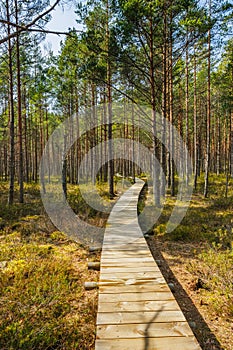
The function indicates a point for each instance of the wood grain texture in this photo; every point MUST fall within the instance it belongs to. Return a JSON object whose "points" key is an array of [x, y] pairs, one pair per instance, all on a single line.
{"points": [[146, 296], [131, 274], [153, 330], [120, 317], [167, 343], [129, 269], [141, 305], [140, 288]]}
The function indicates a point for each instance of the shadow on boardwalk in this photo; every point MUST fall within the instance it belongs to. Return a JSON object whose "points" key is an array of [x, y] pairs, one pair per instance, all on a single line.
{"points": [[203, 333], [147, 340]]}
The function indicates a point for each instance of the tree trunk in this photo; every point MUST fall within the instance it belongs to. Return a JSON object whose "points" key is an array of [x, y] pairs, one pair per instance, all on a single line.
{"points": [[187, 112], [195, 121], [208, 120], [12, 115], [64, 169], [164, 108], [109, 102], [19, 108], [171, 117], [156, 179], [231, 129]]}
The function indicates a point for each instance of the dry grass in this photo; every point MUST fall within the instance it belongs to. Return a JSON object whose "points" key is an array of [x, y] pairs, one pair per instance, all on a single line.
{"points": [[42, 299], [201, 249]]}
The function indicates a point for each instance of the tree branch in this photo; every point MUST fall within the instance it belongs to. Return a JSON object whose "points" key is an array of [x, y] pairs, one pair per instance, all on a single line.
{"points": [[27, 27]]}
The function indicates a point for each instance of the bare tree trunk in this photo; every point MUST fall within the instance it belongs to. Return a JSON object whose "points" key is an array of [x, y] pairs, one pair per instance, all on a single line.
{"points": [[218, 146], [5, 163], [133, 150], [180, 149], [187, 112], [208, 121], [12, 114], [171, 117], [156, 179], [109, 102], [93, 134], [105, 139], [195, 121], [231, 129], [35, 171], [164, 107], [64, 169], [25, 136], [20, 136]]}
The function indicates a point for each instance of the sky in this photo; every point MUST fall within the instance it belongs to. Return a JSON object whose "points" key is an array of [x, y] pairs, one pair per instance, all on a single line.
{"points": [[62, 19]]}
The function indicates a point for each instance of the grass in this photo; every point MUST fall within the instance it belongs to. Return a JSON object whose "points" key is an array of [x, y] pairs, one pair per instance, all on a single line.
{"points": [[214, 266], [210, 219], [43, 303], [209, 225], [42, 271]]}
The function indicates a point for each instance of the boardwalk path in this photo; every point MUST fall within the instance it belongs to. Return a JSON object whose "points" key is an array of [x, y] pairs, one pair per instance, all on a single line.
{"points": [[136, 309]]}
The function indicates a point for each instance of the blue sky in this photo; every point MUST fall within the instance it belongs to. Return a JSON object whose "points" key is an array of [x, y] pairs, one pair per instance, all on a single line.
{"points": [[62, 19]]}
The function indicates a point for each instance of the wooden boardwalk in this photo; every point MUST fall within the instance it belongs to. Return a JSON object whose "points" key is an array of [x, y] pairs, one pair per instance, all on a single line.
{"points": [[136, 309]]}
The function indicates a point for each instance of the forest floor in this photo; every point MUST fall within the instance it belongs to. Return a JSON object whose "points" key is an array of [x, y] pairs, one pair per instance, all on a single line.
{"points": [[197, 257], [212, 326], [42, 272]]}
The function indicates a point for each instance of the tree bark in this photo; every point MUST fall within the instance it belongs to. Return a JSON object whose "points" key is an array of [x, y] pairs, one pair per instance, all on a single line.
{"points": [[195, 121], [109, 109], [19, 108], [171, 116], [208, 119], [186, 112], [12, 114], [156, 179]]}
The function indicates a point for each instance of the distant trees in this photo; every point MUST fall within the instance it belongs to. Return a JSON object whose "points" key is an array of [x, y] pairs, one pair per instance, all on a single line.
{"points": [[160, 55], [16, 21]]}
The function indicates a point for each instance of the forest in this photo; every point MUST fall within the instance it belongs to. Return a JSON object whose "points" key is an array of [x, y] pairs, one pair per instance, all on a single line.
{"points": [[142, 89]]}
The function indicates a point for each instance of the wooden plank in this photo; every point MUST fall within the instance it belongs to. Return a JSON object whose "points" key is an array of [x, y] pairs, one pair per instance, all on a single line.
{"points": [[167, 343], [139, 317], [134, 243], [126, 260], [129, 264], [120, 240], [153, 330], [128, 275], [103, 297], [134, 289], [124, 248], [126, 306], [129, 269], [130, 281], [126, 253]]}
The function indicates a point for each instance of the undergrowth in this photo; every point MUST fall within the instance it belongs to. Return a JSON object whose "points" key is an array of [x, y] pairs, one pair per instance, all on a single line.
{"points": [[209, 224], [42, 271], [214, 266]]}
